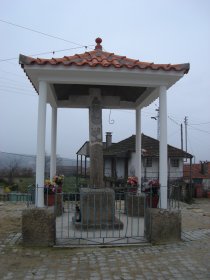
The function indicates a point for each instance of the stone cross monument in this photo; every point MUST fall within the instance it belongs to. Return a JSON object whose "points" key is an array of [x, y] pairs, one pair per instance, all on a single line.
{"points": [[95, 143], [97, 204]]}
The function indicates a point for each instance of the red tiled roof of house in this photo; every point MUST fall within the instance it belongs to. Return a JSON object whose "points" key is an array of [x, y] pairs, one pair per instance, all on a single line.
{"points": [[100, 58], [150, 148], [197, 172]]}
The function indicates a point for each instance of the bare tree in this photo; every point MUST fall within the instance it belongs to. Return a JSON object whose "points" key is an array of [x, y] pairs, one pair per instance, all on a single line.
{"points": [[47, 164], [12, 170], [58, 160]]}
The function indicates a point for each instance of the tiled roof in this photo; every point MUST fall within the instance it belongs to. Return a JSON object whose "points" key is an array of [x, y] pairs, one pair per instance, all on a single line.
{"points": [[123, 147], [84, 150], [150, 148], [103, 59], [197, 171]]}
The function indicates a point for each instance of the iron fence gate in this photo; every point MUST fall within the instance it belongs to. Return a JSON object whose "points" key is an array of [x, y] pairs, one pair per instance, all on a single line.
{"points": [[101, 221], [125, 226]]}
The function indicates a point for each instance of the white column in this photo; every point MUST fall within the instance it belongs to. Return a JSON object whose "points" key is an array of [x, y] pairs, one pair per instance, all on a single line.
{"points": [[53, 143], [138, 147], [40, 155], [163, 159]]}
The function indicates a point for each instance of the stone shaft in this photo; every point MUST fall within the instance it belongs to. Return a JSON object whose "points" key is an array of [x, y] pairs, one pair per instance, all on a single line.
{"points": [[95, 143]]}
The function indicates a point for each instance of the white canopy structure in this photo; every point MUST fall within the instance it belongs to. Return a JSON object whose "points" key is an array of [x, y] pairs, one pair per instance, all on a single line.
{"points": [[103, 80]]}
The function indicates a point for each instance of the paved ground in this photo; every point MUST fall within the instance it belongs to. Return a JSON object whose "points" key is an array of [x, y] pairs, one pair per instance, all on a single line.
{"points": [[185, 260]]}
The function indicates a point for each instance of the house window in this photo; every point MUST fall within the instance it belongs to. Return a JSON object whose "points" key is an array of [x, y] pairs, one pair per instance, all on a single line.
{"points": [[175, 162], [148, 162]]}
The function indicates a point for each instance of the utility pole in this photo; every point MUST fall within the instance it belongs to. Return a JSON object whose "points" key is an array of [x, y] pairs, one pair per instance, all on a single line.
{"points": [[181, 137], [157, 118], [185, 123]]}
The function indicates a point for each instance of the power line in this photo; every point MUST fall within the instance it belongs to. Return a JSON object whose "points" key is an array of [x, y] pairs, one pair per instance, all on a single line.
{"points": [[190, 145], [53, 52], [174, 121], [13, 82], [173, 133], [199, 123], [16, 93], [42, 33], [16, 87], [191, 124], [201, 130], [10, 62], [8, 72]]}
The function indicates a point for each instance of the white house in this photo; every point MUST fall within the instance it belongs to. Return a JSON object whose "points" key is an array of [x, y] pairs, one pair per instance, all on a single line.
{"points": [[120, 158]]}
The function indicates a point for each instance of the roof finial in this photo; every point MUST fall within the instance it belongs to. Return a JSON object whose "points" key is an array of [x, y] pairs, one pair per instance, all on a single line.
{"points": [[98, 46]]}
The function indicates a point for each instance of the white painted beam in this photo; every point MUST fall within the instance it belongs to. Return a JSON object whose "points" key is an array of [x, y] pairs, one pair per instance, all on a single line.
{"points": [[52, 99], [150, 98], [163, 158], [143, 96], [101, 76], [40, 155], [108, 102], [53, 143], [138, 147]]}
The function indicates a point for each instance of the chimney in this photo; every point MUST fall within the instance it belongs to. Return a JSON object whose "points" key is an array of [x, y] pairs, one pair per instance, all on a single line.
{"points": [[108, 139], [204, 167]]}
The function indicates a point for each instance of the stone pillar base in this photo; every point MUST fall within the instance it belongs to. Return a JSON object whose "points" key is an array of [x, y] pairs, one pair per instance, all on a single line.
{"points": [[97, 208], [162, 225], [38, 227], [134, 205]]}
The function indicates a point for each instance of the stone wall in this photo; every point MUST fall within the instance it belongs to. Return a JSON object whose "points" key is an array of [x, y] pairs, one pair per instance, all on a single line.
{"points": [[38, 227], [162, 225]]}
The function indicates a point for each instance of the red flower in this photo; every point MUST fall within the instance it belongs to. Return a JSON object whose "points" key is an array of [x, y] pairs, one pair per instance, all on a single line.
{"points": [[133, 181], [154, 183]]}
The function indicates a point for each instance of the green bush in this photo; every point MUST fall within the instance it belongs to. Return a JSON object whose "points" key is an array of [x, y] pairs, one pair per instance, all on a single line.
{"points": [[3, 182], [70, 184]]}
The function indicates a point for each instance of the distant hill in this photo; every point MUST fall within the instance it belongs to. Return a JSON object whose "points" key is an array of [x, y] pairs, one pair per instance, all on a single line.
{"points": [[68, 162], [29, 161]]}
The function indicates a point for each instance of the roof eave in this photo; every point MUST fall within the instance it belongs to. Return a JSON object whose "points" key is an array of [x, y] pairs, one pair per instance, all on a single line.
{"points": [[24, 60], [99, 75]]}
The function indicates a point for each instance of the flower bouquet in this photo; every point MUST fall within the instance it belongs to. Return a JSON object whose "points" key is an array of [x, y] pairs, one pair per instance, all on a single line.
{"points": [[58, 179], [52, 187], [50, 191], [49, 187], [132, 184], [153, 193], [154, 186]]}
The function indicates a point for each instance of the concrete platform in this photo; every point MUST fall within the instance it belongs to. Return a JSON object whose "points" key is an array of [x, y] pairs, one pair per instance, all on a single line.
{"points": [[116, 224]]}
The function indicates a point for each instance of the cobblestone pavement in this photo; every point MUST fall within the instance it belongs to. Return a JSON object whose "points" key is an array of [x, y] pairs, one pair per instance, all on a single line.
{"points": [[188, 259]]}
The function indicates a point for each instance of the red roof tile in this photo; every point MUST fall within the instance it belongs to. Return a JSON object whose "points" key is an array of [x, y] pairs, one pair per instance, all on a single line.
{"points": [[197, 171], [103, 59], [149, 145]]}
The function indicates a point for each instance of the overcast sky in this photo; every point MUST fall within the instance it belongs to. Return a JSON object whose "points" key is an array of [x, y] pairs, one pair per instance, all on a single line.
{"points": [[159, 31]]}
